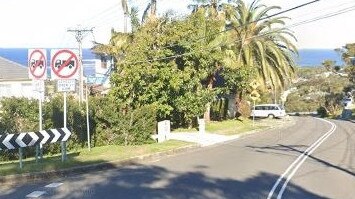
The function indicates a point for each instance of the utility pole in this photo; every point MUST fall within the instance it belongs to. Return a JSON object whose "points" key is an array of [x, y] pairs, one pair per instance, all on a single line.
{"points": [[80, 33]]}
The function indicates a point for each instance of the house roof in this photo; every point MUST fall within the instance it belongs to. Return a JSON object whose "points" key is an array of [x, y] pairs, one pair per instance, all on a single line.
{"points": [[10, 71]]}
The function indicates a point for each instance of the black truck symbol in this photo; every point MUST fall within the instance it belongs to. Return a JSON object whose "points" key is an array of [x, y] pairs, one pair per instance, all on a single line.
{"points": [[34, 63], [58, 63]]}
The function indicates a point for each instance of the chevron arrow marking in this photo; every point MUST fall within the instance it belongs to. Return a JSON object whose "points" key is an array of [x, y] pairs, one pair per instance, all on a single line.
{"points": [[34, 138], [7, 140], [19, 140], [45, 136], [67, 134], [56, 135]]}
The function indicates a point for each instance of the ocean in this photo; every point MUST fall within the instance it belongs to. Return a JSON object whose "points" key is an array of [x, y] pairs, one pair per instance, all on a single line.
{"points": [[306, 58], [315, 57]]}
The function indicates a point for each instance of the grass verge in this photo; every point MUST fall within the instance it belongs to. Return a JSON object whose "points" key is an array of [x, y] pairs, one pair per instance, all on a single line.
{"points": [[233, 127], [85, 157]]}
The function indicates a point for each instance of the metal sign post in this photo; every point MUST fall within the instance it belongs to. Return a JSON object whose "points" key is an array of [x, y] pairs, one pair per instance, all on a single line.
{"points": [[64, 68], [39, 147], [39, 88], [20, 150], [254, 113], [37, 71], [63, 144]]}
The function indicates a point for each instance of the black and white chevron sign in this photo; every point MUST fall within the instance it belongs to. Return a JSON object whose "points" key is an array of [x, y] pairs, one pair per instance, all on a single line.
{"points": [[20, 140]]}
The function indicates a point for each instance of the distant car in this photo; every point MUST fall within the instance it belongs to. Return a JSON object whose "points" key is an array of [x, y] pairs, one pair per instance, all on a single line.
{"points": [[268, 110], [347, 102]]}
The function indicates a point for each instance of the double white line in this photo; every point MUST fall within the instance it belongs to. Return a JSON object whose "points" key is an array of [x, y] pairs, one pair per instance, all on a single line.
{"points": [[292, 169]]}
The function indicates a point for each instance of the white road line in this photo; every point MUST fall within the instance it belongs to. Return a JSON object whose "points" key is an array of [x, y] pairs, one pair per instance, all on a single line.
{"points": [[299, 161], [35, 194], [53, 185]]}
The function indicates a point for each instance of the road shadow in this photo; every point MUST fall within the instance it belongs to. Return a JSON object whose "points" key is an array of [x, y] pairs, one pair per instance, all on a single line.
{"points": [[294, 148], [140, 181]]}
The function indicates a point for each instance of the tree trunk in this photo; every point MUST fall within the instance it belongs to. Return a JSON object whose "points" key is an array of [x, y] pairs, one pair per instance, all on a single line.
{"points": [[207, 114], [238, 101]]}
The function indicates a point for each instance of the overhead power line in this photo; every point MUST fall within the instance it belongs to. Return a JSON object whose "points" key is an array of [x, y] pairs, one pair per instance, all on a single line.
{"points": [[339, 12], [254, 21]]}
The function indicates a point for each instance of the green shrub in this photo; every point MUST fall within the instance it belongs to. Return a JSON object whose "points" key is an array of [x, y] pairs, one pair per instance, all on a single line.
{"points": [[322, 111], [109, 124], [123, 127]]}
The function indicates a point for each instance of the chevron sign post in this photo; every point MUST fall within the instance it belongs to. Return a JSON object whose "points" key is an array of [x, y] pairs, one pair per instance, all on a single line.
{"points": [[22, 140]]}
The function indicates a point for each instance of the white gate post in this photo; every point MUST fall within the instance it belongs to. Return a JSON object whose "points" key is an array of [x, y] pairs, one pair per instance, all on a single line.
{"points": [[163, 130]]}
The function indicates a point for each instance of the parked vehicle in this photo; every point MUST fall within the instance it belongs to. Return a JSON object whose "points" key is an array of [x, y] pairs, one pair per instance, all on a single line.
{"points": [[347, 102], [268, 110]]}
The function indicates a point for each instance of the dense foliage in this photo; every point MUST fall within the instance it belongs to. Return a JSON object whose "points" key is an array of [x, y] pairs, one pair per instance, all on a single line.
{"points": [[317, 89], [173, 63], [108, 125]]}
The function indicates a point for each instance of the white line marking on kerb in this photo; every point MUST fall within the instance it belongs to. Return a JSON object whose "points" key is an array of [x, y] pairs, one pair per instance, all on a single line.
{"points": [[299, 161], [53, 185], [35, 194]]}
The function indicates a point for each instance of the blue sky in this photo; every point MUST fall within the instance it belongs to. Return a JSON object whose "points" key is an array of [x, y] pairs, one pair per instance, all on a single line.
{"points": [[43, 23]]}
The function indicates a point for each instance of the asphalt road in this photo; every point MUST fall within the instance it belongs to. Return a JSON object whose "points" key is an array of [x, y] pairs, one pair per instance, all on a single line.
{"points": [[312, 159]]}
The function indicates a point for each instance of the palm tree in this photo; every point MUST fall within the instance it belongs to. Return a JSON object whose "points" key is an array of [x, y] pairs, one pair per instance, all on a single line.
{"points": [[126, 13], [261, 43], [150, 11]]}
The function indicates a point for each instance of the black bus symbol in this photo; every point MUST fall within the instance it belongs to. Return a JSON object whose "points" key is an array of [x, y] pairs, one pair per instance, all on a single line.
{"points": [[58, 63], [38, 63]]}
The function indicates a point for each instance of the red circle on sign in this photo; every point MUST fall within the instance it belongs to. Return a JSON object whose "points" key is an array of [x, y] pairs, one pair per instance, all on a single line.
{"points": [[33, 69], [65, 64]]}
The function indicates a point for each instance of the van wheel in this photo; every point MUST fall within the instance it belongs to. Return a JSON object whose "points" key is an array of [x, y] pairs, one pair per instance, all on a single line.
{"points": [[271, 116]]}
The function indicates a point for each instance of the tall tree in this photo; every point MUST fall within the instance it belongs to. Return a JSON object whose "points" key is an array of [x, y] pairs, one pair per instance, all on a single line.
{"points": [[209, 18], [126, 13], [260, 42]]}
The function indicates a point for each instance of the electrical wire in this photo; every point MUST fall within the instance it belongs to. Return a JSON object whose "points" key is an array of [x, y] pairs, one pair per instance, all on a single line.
{"points": [[103, 14], [241, 26], [322, 10], [325, 16]]}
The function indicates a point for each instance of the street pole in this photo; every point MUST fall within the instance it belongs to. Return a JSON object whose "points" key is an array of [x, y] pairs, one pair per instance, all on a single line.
{"points": [[63, 144], [254, 114], [87, 118], [80, 33]]}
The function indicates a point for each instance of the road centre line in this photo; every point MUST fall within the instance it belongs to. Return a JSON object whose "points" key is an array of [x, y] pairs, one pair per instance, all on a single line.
{"points": [[53, 185], [300, 160], [36, 194]]}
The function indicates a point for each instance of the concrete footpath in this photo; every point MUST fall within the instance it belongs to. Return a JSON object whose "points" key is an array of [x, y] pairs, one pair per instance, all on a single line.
{"points": [[208, 138], [202, 139]]}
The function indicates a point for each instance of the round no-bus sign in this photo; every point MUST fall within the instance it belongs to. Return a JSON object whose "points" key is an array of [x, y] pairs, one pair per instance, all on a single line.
{"points": [[64, 64], [37, 64]]}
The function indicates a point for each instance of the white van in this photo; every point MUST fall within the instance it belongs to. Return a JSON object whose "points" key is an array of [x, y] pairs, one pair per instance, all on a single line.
{"points": [[268, 110]]}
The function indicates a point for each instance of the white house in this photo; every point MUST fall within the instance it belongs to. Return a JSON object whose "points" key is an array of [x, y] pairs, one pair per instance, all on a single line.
{"points": [[14, 80], [100, 81]]}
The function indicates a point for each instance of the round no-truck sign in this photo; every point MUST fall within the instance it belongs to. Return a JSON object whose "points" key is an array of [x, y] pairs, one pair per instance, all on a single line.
{"points": [[37, 64], [64, 64]]}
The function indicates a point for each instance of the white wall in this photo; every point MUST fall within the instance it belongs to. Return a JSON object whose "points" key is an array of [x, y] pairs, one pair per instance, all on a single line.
{"points": [[17, 89]]}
